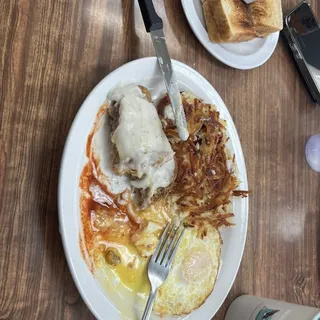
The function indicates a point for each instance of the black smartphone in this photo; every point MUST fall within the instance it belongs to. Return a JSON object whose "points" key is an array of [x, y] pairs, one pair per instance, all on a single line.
{"points": [[302, 31]]}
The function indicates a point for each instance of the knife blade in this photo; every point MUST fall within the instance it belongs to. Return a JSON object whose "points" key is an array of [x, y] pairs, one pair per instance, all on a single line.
{"points": [[171, 83], [154, 26]]}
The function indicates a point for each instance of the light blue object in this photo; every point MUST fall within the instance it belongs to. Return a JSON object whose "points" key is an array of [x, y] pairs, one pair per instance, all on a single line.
{"points": [[313, 152]]}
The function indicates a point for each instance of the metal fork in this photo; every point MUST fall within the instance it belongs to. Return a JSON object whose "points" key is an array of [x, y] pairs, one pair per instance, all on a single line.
{"points": [[161, 262]]}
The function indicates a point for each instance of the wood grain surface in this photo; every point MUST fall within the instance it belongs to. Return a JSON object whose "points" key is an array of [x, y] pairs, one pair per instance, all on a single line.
{"points": [[52, 54]]}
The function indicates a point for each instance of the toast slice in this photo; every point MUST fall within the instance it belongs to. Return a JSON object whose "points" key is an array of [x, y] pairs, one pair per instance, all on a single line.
{"points": [[212, 28], [232, 20], [266, 16]]}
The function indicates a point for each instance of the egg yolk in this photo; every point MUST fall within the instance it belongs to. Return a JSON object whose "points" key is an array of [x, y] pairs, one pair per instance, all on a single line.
{"points": [[132, 269], [134, 277]]}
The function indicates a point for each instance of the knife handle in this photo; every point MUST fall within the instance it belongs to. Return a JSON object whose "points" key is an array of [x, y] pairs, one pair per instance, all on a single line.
{"points": [[150, 18]]}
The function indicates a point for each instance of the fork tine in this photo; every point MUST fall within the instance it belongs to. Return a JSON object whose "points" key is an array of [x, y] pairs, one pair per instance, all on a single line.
{"points": [[173, 241], [165, 246], [163, 236], [175, 250]]}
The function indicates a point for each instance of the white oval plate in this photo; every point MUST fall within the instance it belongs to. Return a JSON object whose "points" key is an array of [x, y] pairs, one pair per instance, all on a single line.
{"points": [[245, 55], [146, 72]]}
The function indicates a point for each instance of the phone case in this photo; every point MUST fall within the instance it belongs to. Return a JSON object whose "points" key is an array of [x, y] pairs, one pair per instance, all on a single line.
{"points": [[299, 57]]}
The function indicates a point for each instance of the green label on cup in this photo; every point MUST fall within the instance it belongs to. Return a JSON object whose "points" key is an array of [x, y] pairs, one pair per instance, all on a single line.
{"points": [[266, 314]]}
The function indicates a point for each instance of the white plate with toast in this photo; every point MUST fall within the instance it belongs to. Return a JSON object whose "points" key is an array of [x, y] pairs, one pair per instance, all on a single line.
{"points": [[244, 55], [147, 73]]}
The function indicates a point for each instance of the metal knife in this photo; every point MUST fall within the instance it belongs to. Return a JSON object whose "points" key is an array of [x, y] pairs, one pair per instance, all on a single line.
{"points": [[154, 26]]}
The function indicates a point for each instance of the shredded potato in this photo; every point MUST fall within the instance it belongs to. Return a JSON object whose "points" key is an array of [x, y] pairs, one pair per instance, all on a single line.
{"points": [[205, 180]]}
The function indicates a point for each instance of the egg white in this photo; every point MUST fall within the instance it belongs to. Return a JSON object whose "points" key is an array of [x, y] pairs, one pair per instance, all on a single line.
{"points": [[193, 274]]}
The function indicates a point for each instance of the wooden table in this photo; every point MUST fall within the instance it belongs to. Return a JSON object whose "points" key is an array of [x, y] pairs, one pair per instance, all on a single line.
{"points": [[52, 54]]}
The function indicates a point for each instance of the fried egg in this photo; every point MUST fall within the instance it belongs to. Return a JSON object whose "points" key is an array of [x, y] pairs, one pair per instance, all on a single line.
{"points": [[193, 273], [191, 278]]}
